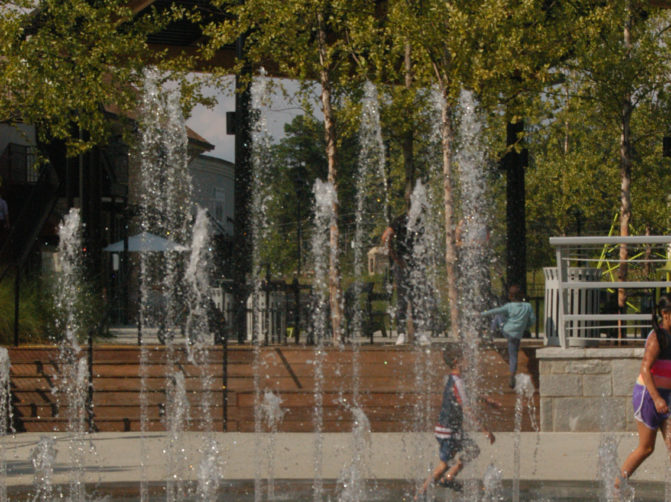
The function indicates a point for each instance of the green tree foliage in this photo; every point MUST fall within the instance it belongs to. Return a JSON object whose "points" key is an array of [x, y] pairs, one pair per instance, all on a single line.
{"points": [[491, 48], [285, 35], [311, 41], [597, 145], [66, 63], [569, 183], [299, 159]]}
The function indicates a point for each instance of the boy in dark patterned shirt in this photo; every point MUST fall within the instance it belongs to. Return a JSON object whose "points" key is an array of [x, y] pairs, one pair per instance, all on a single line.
{"points": [[453, 441]]}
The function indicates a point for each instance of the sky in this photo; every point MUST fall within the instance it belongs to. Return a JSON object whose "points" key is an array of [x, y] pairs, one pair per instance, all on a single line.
{"points": [[210, 123]]}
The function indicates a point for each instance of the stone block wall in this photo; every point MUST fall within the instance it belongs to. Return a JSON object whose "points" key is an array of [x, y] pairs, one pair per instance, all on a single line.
{"points": [[587, 389]]}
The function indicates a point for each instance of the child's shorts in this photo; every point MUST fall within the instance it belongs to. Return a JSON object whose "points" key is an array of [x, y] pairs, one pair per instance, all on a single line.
{"points": [[644, 407], [449, 447]]}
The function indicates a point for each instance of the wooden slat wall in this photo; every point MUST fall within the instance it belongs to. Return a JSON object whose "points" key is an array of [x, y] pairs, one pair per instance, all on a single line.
{"points": [[398, 388]]}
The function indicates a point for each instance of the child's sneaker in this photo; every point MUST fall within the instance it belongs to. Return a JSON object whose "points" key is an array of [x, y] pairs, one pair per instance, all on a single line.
{"points": [[452, 484]]}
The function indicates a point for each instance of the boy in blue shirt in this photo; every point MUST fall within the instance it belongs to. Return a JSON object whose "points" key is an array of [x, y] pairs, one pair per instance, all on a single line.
{"points": [[453, 440], [519, 316]]}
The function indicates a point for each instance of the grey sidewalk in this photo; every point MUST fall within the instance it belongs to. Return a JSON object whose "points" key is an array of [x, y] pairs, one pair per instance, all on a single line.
{"points": [[119, 457]]}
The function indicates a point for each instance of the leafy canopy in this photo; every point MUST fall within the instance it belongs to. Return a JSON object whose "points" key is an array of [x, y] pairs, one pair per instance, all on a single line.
{"points": [[64, 64]]}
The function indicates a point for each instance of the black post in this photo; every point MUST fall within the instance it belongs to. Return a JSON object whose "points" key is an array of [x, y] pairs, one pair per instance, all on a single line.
{"points": [[139, 309], [112, 298], [299, 235], [242, 240], [300, 175], [369, 315], [125, 267], [89, 398], [94, 226], [224, 378], [514, 163], [268, 314], [90, 196], [17, 282], [297, 311], [69, 189]]}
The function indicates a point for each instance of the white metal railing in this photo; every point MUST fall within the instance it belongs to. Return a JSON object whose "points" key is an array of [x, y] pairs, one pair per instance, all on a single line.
{"points": [[575, 308]]}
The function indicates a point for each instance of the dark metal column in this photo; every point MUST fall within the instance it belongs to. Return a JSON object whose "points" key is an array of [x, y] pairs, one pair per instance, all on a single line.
{"points": [[242, 233], [91, 195], [89, 394], [17, 297], [514, 163], [223, 333], [90, 178]]}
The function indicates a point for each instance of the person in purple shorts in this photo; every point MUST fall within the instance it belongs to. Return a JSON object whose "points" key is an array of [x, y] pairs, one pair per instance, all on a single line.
{"points": [[651, 396], [454, 443]]}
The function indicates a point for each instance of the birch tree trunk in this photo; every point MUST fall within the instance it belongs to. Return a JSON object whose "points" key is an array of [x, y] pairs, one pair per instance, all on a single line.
{"points": [[330, 137], [408, 136], [407, 145], [625, 177], [625, 195], [447, 135]]}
